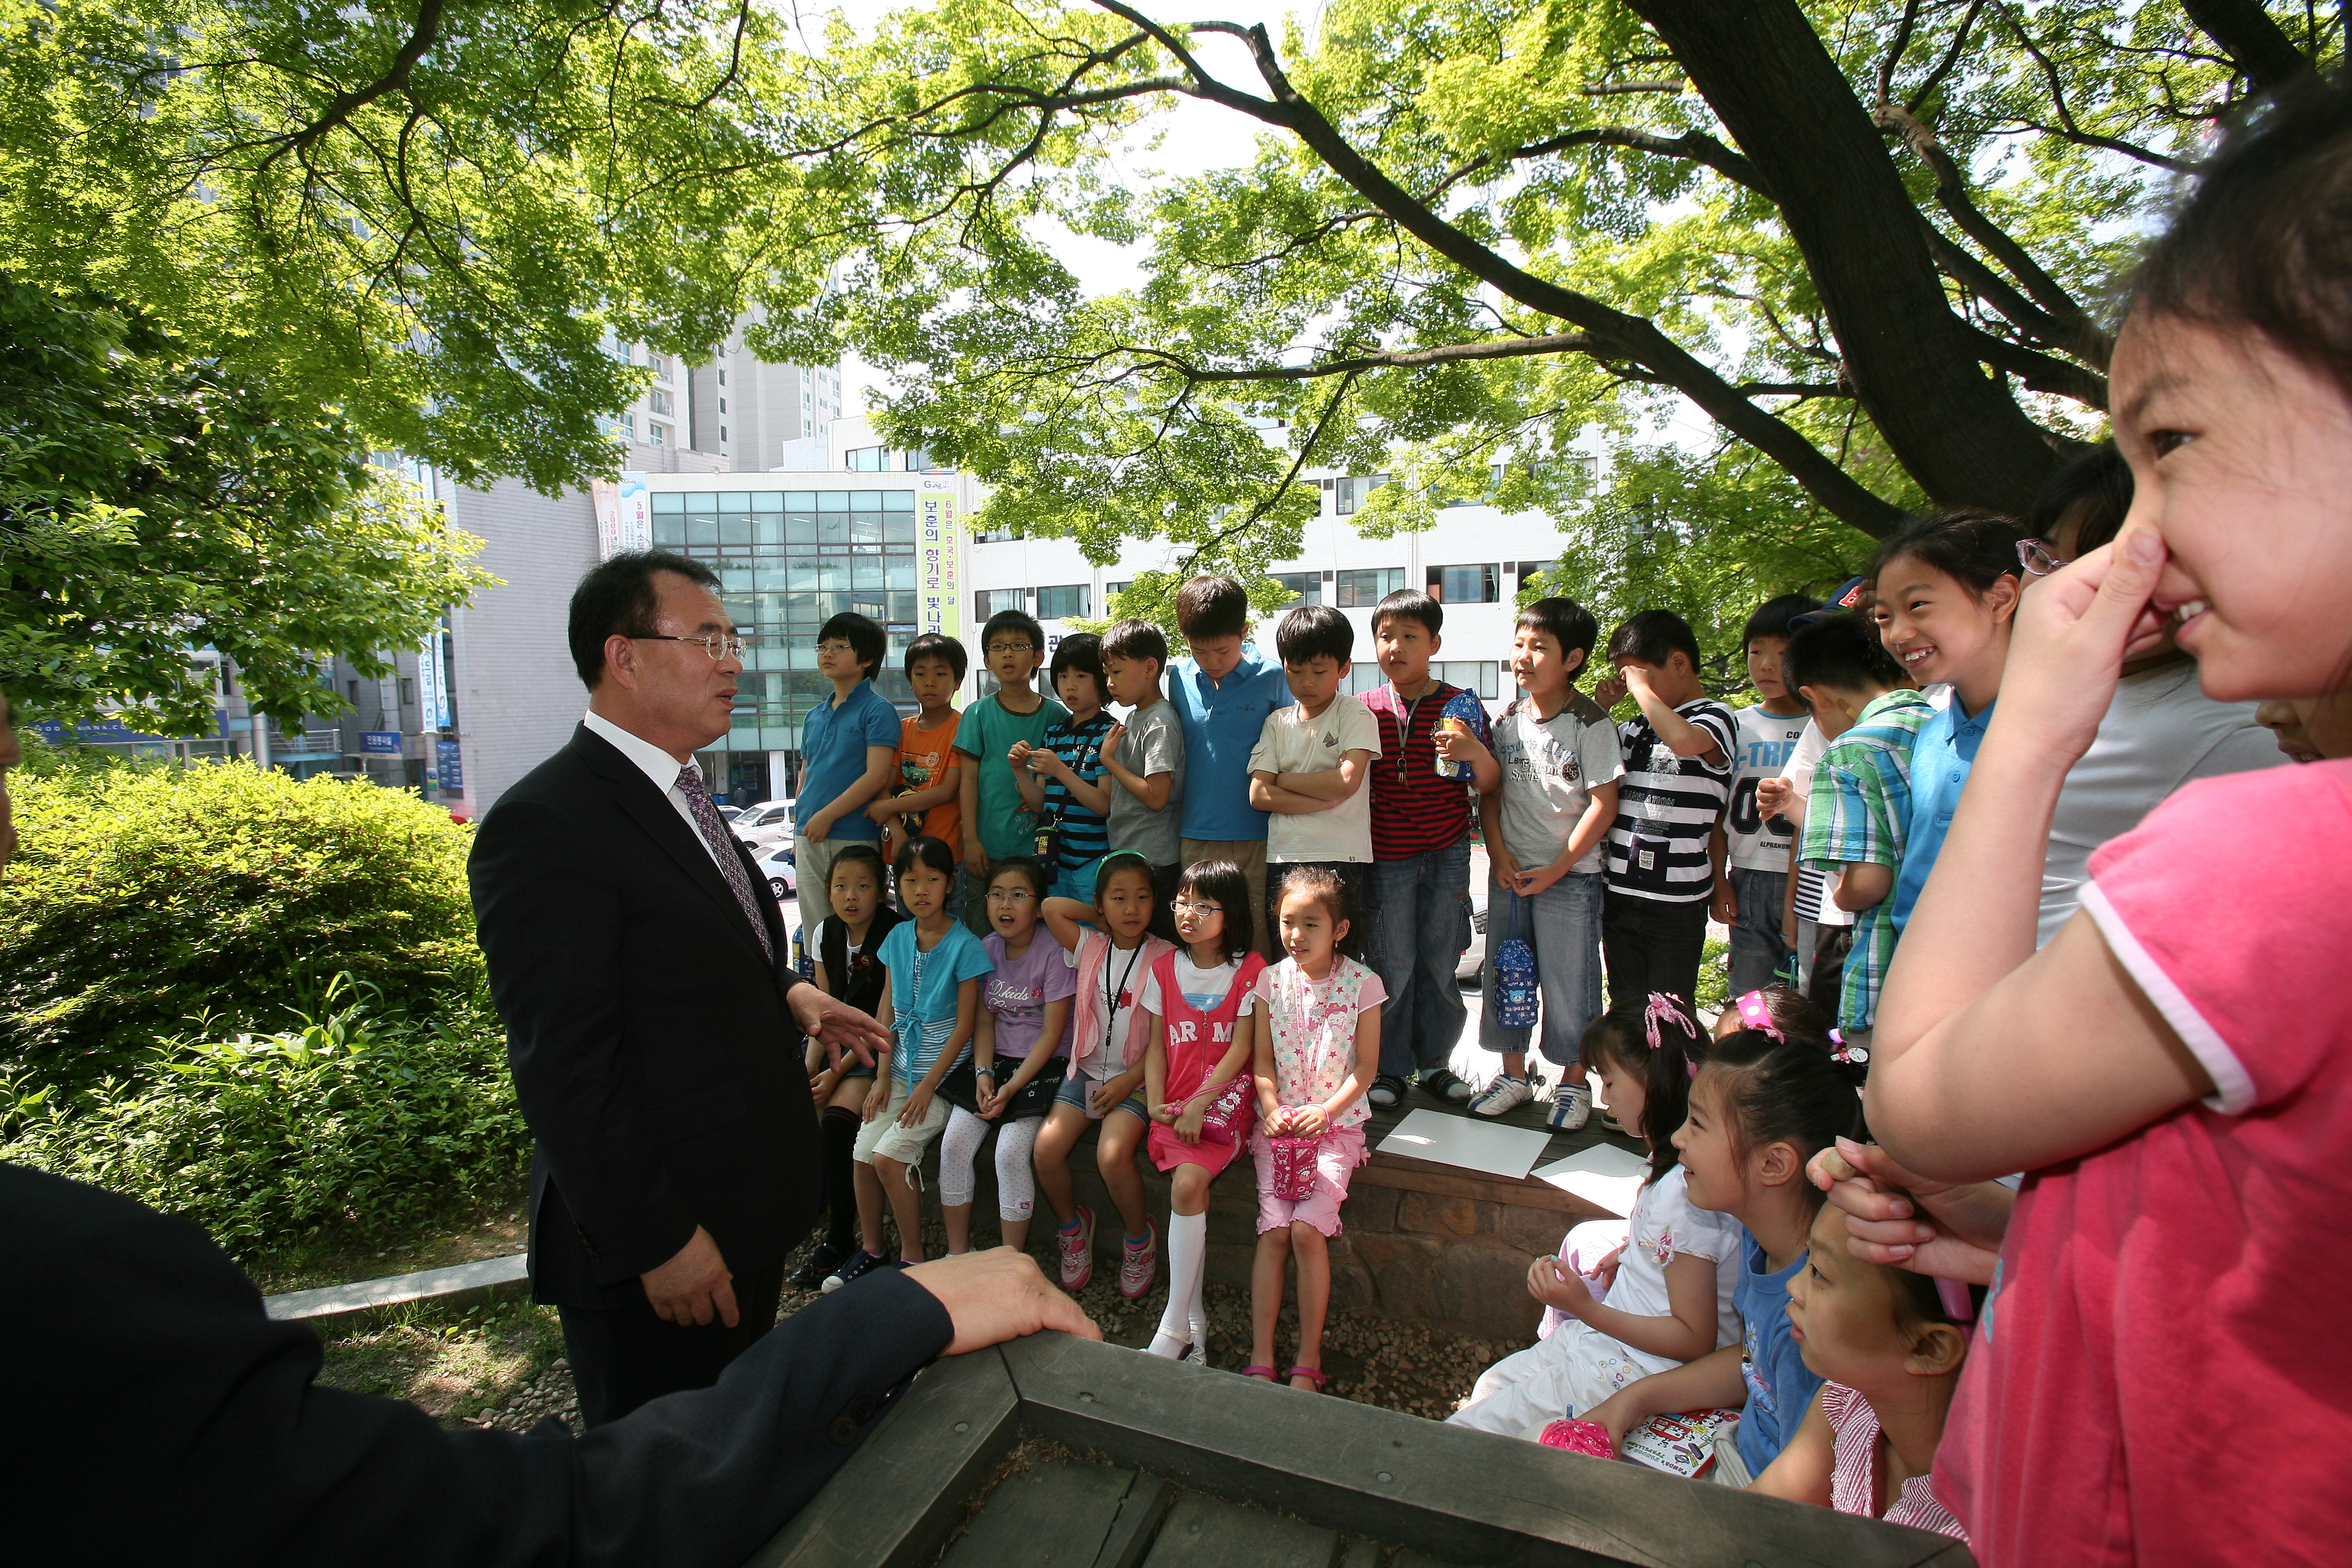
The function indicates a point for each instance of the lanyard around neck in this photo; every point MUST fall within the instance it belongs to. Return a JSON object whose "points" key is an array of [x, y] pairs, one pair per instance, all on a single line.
{"points": [[1110, 994]]}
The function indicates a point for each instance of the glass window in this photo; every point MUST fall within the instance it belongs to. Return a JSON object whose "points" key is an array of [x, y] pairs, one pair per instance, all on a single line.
{"points": [[833, 528], [1072, 599], [768, 500], [1349, 493], [1363, 590], [734, 500], [701, 530], [833, 500], [866, 459], [1113, 590], [669, 532], [1481, 676], [900, 572], [898, 528], [865, 527], [897, 500], [989, 601], [902, 605], [670, 501], [866, 571], [997, 535], [1305, 587], [1363, 677], [800, 527], [768, 530], [1478, 585], [735, 528]]}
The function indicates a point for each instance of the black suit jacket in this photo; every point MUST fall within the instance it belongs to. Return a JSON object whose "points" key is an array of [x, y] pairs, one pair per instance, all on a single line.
{"points": [[153, 1415], [654, 1056]]}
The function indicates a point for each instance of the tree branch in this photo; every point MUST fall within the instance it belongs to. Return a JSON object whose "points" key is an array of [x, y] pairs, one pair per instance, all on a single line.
{"points": [[2256, 45], [1633, 338], [2044, 373], [2076, 329], [343, 105], [1401, 359]]}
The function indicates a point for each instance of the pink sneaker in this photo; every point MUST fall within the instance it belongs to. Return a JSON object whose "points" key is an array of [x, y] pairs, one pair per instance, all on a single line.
{"points": [[1142, 1264], [1078, 1252]]}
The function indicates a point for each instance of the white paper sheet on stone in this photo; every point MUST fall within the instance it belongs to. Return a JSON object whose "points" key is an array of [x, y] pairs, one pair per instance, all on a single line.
{"points": [[1466, 1142], [1603, 1174]]}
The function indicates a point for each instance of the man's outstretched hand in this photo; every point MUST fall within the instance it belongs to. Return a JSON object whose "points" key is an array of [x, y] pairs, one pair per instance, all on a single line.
{"points": [[999, 1295], [839, 1027]]}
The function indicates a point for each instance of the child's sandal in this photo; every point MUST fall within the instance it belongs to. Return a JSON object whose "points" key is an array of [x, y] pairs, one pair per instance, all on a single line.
{"points": [[1266, 1373], [1313, 1375]]}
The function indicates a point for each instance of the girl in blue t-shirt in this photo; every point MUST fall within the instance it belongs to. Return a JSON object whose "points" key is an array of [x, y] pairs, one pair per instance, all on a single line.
{"points": [[1947, 593], [930, 1007], [1775, 1090]]}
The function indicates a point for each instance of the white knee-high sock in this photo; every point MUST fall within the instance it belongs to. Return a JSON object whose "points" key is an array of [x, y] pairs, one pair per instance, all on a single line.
{"points": [[1188, 1236]]}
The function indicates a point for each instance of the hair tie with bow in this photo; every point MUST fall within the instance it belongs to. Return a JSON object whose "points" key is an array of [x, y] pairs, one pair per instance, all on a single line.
{"points": [[1666, 1005], [1756, 1014], [1852, 1056]]}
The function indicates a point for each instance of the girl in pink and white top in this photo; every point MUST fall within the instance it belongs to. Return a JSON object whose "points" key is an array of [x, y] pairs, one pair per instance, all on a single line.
{"points": [[1886, 1342], [2151, 1383], [1319, 1051], [1202, 1013]]}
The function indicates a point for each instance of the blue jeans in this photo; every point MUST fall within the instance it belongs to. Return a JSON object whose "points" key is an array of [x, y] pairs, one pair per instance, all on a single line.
{"points": [[1424, 924], [1758, 953], [1563, 923]]}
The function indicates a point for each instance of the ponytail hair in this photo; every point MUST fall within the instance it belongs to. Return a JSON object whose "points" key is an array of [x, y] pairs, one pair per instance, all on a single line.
{"points": [[1659, 1042], [1779, 1081]]}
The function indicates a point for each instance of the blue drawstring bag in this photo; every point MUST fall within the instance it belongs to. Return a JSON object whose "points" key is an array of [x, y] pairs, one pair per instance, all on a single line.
{"points": [[1514, 977]]}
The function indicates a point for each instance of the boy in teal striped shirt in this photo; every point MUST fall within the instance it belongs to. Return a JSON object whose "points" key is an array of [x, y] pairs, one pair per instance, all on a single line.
{"points": [[1855, 819]]}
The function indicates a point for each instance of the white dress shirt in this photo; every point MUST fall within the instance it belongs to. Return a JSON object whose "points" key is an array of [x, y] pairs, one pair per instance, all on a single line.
{"points": [[655, 765]]}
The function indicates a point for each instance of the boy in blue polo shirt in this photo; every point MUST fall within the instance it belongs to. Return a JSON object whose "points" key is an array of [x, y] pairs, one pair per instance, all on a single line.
{"points": [[849, 751], [1221, 696]]}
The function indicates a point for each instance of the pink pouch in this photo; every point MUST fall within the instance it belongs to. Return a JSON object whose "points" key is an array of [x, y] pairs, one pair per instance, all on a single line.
{"points": [[1228, 1116], [1578, 1437], [1293, 1165]]}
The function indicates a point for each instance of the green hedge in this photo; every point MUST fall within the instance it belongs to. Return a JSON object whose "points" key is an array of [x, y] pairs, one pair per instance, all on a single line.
{"points": [[149, 901], [372, 1128]]}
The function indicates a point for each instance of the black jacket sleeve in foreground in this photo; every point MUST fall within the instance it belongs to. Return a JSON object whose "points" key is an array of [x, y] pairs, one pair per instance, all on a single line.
{"points": [[153, 1414]]}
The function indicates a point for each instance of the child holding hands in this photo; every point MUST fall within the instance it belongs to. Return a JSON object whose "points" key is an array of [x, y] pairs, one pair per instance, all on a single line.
{"points": [[1671, 1300], [1202, 1014], [1316, 1058], [932, 1007]]}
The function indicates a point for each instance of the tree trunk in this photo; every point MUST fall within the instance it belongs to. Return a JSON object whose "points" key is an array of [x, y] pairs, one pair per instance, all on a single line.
{"points": [[1912, 360]]}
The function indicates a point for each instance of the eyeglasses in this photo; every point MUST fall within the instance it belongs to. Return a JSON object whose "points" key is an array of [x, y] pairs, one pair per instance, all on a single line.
{"points": [[1023, 646], [836, 645], [1187, 907], [1013, 895], [2033, 554], [718, 647]]}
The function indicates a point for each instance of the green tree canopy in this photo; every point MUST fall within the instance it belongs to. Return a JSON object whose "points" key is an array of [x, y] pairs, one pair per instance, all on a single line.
{"points": [[1870, 242], [242, 246]]}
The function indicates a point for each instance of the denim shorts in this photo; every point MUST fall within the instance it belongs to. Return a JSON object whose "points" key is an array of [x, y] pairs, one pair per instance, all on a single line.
{"points": [[1077, 1090]]}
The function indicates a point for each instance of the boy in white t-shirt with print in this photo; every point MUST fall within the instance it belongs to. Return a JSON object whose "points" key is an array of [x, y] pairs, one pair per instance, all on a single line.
{"points": [[1313, 759], [1753, 895]]}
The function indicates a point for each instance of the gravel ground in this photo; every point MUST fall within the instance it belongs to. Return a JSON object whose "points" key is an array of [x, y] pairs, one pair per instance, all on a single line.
{"points": [[1373, 1361]]}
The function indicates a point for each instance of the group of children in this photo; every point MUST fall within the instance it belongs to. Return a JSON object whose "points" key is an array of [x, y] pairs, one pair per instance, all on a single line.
{"points": [[1107, 970]]}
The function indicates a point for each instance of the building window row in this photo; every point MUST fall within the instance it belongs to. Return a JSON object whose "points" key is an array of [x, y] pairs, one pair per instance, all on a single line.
{"points": [[1482, 676], [1058, 603]]}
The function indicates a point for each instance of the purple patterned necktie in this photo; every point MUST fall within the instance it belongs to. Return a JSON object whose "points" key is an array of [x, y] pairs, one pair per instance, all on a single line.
{"points": [[722, 843]]}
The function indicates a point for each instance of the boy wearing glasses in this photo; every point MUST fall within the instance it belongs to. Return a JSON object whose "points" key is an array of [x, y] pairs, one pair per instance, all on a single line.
{"points": [[849, 749], [997, 823]]}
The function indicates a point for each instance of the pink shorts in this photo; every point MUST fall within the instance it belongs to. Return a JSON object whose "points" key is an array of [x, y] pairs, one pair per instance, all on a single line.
{"points": [[1342, 1150]]}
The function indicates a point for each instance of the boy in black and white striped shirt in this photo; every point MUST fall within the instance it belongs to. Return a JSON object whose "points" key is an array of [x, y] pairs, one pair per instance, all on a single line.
{"points": [[1664, 860]]}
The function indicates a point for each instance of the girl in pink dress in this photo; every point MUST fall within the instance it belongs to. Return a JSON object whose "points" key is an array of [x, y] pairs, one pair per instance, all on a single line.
{"points": [[1316, 1056], [1202, 1020]]}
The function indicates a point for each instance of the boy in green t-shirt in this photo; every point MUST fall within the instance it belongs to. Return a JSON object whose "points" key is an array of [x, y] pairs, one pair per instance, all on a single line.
{"points": [[997, 823]]}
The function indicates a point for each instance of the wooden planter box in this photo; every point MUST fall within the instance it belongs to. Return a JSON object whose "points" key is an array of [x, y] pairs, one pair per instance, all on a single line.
{"points": [[1054, 1451]]}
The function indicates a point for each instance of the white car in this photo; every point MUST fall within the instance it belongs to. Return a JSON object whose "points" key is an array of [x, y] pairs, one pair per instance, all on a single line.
{"points": [[766, 823], [776, 863], [1465, 968]]}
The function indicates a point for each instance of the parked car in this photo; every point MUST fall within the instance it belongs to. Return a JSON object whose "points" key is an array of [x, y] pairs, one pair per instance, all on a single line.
{"points": [[776, 863], [729, 812], [1465, 968], [765, 823]]}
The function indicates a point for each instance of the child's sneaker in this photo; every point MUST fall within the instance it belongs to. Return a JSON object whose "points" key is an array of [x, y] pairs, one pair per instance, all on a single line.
{"points": [[860, 1264], [1440, 1084], [1572, 1105], [1141, 1265], [1078, 1251], [1612, 1124], [813, 1274], [1506, 1093]]}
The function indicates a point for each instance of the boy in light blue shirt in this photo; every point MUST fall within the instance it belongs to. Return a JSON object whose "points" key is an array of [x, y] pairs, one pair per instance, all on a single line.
{"points": [[844, 764], [1221, 696]]}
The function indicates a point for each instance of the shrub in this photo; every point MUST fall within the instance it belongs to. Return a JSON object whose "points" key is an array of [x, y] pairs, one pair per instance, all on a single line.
{"points": [[148, 900], [372, 1126]]}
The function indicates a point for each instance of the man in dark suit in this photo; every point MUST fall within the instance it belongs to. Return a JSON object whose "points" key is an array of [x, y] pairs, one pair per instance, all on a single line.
{"points": [[640, 966]]}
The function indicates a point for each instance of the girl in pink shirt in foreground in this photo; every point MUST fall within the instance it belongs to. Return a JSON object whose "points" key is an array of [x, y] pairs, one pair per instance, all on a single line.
{"points": [[2158, 1375]]}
